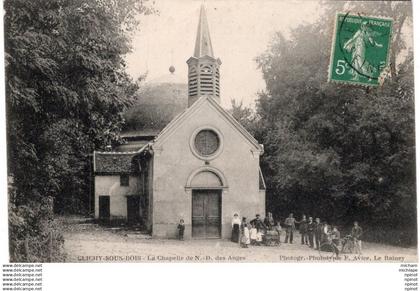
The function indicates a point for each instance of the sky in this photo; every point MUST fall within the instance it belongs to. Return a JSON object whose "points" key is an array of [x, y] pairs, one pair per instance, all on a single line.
{"points": [[240, 31]]}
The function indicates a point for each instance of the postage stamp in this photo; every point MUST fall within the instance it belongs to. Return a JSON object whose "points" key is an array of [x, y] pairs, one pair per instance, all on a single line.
{"points": [[360, 49]]}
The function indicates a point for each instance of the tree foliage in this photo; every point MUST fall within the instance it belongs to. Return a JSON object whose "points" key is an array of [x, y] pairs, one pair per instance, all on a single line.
{"points": [[245, 116], [341, 152], [66, 89]]}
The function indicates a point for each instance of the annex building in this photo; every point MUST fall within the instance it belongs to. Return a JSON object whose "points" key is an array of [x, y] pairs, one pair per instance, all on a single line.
{"points": [[202, 166]]}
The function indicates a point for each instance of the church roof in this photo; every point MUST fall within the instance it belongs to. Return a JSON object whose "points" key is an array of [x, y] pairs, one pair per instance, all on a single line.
{"points": [[157, 103], [145, 134], [133, 144], [203, 45]]}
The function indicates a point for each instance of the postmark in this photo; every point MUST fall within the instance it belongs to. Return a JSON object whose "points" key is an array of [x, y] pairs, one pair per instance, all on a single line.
{"points": [[360, 49]]}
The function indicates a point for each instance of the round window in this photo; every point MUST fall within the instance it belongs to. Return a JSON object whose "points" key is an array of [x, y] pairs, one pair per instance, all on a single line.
{"points": [[206, 142]]}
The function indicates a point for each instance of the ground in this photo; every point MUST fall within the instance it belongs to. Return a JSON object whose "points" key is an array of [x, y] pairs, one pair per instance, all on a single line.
{"points": [[89, 242]]}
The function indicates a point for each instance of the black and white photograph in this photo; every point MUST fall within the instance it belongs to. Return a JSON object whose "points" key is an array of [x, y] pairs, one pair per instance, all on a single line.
{"points": [[213, 131]]}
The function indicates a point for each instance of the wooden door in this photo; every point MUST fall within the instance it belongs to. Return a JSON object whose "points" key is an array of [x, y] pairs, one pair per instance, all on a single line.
{"points": [[133, 209], [104, 207], [206, 213]]}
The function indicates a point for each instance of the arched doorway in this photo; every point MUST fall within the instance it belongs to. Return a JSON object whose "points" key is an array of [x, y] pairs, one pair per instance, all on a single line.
{"points": [[206, 186]]}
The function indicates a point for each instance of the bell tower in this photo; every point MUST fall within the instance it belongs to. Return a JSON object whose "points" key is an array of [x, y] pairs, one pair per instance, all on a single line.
{"points": [[203, 67]]}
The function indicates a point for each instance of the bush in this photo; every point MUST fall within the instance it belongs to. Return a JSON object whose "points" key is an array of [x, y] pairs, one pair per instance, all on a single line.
{"points": [[396, 236], [392, 236], [33, 233]]}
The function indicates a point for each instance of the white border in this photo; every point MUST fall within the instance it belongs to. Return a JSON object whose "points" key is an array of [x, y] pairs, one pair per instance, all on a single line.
{"points": [[255, 277]]}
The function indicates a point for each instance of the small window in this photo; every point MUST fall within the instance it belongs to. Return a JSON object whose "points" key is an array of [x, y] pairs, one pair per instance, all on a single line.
{"points": [[124, 180]]}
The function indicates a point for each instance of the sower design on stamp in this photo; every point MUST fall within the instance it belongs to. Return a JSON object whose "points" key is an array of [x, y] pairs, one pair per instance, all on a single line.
{"points": [[360, 49]]}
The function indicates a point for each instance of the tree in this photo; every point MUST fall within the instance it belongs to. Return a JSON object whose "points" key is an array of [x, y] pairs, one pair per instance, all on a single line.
{"points": [[66, 89], [339, 149]]}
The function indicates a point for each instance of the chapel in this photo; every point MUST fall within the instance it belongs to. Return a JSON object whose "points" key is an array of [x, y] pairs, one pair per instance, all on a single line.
{"points": [[201, 166]]}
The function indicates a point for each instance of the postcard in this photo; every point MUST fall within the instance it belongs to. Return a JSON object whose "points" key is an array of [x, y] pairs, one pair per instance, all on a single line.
{"points": [[210, 131]]}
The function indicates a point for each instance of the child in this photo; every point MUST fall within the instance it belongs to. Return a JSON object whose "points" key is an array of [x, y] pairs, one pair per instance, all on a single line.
{"points": [[245, 236], [181, 228], [259, 237], [253, 234]]}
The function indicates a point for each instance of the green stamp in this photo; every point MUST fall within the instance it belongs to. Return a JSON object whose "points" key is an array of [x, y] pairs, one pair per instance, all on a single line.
{"points": [[360, 49]]}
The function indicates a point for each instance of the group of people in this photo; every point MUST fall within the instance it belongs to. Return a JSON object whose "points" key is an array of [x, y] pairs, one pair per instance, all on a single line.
{"points": [[313, 233], [252, 233]]}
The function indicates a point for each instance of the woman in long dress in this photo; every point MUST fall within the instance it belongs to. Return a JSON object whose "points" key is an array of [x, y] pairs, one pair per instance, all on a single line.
{"points": [[236, 224]]}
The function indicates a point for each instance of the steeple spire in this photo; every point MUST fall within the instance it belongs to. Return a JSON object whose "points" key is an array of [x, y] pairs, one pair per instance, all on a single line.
{"points": [[203, 45], [203, 67]]}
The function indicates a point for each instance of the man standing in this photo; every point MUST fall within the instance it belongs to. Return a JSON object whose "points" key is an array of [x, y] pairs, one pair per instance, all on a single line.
{"points": [[310, 231], [290, 227], [303, 229], [318, 232], [356, 233]]}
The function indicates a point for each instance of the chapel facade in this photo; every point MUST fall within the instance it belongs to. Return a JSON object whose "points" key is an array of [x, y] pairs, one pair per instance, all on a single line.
{"points": [[202, 167]]}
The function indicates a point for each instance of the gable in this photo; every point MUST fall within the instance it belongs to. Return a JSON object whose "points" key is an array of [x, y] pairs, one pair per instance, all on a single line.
{"points": [[218, 111]]}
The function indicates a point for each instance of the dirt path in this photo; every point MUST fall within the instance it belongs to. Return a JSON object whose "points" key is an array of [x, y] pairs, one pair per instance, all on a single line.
{"points": [[93, 243]]}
